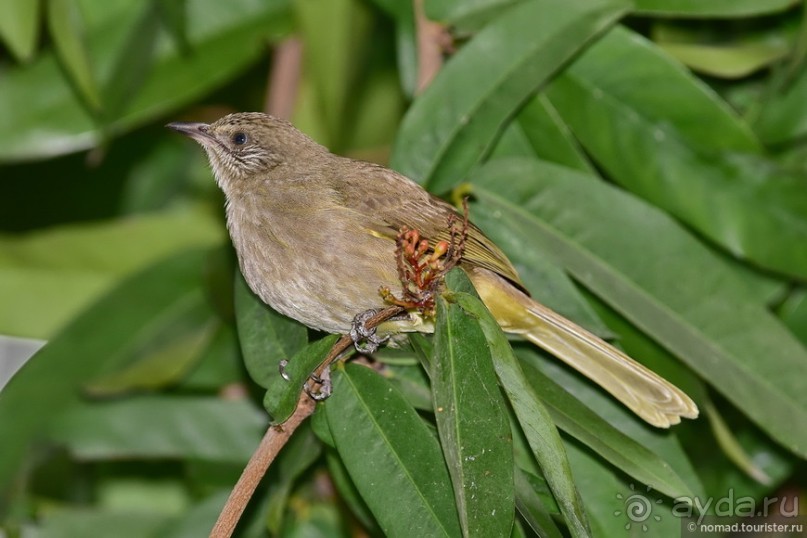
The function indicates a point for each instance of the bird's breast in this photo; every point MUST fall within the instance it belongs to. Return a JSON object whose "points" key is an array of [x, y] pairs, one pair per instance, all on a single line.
{"points": [[319, 267]]}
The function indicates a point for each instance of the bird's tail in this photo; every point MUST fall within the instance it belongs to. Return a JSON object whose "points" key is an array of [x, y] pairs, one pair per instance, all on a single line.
{"points": [[650, 396]]}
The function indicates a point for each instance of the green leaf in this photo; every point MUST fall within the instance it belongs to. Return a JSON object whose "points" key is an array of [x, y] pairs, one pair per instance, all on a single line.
{"points": [[673, 142], [19, 26], [532, 508], [47, 277], [69, 523], [318, 518], [134, 63], [539, 131], [727, 56], [727, 61], [646, 267], [220, 364], [52, 378], [712, 8], [186, 427], [372, 127], [721, 474], [405, 38], [391, 455], [471, 419], [319, 425], [466, 16], [67, 31], [266, 337], [175, 348], [423, 349], [648, 106], [732, 448], [535, 421], [799, 53], [174, 15], [282, 394], [413, 383], [783, 115], [487, 80], [198, 520], [349, 493], [794, 313], [44, 118], [336, 34]]}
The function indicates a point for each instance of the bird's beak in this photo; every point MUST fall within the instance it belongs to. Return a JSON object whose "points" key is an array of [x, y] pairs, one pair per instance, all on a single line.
{"points": [[195, 130]]}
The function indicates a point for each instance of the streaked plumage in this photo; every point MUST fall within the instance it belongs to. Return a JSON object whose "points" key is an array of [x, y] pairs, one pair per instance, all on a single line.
{"points": [[314, 233]]}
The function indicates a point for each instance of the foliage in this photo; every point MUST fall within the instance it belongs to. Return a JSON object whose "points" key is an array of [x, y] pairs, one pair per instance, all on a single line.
{"points": [[642, 163]]}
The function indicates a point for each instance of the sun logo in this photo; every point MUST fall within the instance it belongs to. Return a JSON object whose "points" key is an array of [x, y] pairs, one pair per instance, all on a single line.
{"points": [[638, 508]]}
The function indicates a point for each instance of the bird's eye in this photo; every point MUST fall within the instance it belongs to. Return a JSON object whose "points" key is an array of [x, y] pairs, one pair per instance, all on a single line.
{"points": [[239, 139]]}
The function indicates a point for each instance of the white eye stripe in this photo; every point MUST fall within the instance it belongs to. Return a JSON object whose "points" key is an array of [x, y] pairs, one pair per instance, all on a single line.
{"points": [[250, 159]]}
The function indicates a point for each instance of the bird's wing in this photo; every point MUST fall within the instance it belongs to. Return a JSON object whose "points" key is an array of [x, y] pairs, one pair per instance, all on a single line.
{"points": [[388, 201]]}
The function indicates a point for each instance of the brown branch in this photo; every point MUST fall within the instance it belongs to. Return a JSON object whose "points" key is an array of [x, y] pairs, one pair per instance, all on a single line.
{"points": [[275, 438], [431, 39], [278, 435], [284, 78]]}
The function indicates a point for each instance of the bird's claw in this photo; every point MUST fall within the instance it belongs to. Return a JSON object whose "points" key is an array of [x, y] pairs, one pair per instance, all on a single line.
{"points": [[324, 382], [365, 339]]}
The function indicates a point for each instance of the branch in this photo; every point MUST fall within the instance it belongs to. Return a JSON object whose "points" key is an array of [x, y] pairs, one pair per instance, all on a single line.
{"points": [[432, 40], [278, 435], [284, 78]]}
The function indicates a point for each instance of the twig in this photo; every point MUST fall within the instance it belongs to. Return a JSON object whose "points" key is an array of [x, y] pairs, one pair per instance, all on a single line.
{"points": [[431, 37], [273, 440], [284, 78], [278, 435]]}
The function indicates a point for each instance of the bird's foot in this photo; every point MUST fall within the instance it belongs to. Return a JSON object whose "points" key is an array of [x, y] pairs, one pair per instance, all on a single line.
{"points": [[324, 381], [318, 394], [365, 339]]}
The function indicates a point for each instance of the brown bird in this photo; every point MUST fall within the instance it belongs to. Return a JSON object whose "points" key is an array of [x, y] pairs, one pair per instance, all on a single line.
{"points": [[315, 237]]}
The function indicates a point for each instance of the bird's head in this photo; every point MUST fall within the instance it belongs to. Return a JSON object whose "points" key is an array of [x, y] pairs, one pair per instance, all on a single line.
{"points": [[247, 145]]}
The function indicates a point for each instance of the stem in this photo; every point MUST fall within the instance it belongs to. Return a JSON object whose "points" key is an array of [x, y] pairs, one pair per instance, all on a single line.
{"points": [[284, 78], [277, 436], [430, 36]]}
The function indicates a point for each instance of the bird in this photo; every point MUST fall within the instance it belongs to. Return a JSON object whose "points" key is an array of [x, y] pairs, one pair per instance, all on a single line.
{"points": [[315, 237]]}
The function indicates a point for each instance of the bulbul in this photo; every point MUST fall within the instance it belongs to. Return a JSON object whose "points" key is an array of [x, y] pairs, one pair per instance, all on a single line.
{"points": [[315, 235]]}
